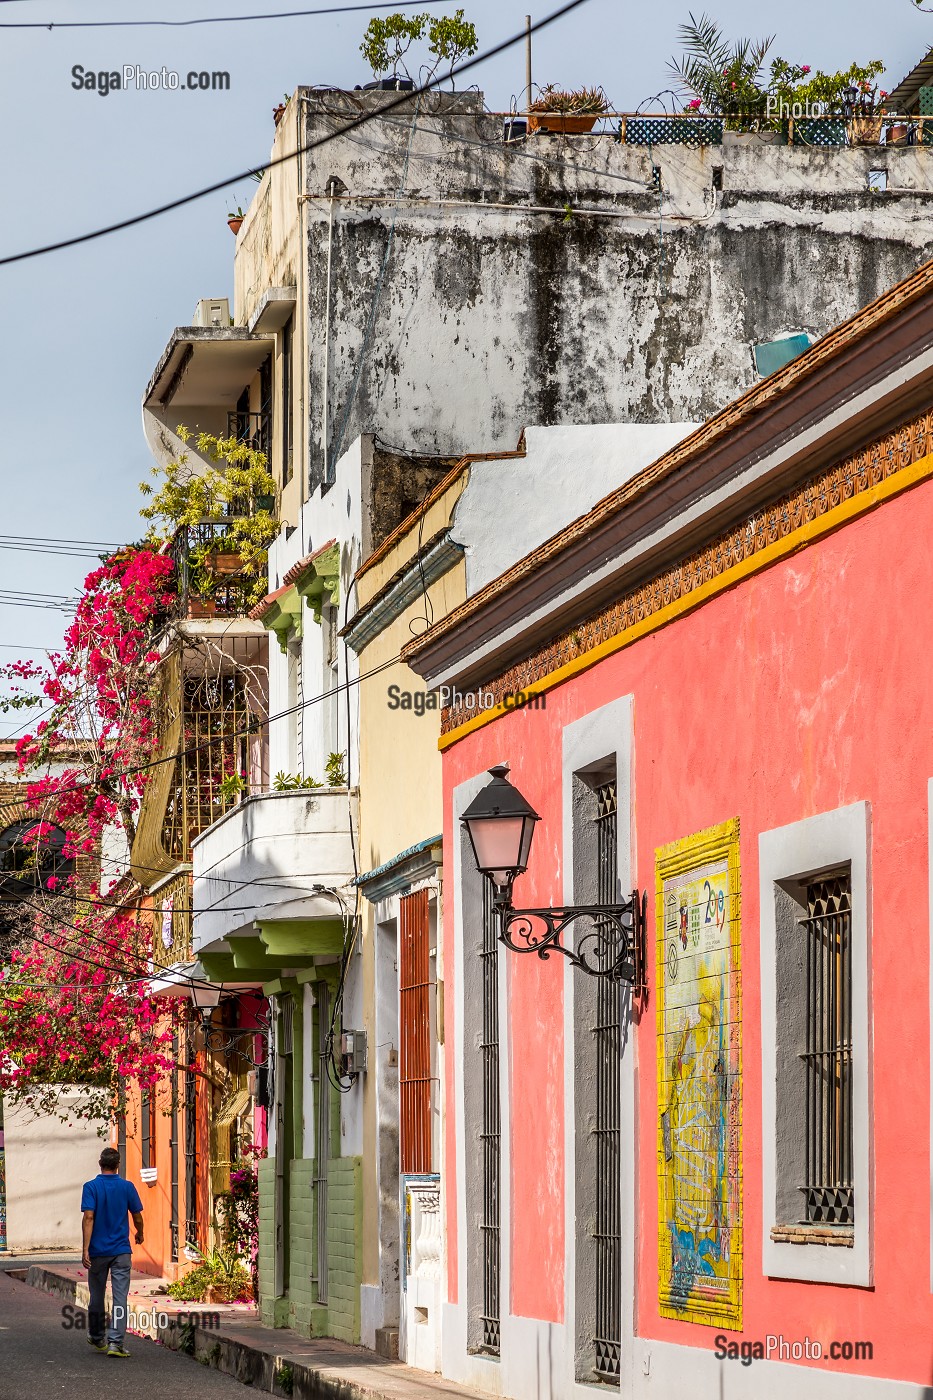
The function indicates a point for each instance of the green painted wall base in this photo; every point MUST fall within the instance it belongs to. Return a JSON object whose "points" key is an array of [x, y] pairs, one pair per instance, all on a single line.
{"points": [[299, 1309]]}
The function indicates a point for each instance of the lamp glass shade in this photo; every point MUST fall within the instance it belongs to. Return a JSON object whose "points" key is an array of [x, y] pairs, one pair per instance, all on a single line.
{"points": [[500, 824], [501, 845], [204, 995]]}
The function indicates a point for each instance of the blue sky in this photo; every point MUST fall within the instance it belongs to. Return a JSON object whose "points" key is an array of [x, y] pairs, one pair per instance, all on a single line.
{"points": [[83, 328]]}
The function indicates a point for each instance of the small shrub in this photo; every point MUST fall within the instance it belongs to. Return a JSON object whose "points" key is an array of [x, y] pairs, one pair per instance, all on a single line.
{"points": [[284, 1378]]}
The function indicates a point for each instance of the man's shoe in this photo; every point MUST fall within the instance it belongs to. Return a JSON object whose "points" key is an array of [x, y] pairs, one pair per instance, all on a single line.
{"points": [[114, 1350], [97, 1345]]}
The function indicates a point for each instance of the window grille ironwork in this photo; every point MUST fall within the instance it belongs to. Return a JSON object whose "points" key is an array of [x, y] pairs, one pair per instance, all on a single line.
{"points": [[828, 1189], [215, 715], [322, 1135], [287, 410], [490, 1136], [191, 1147], [173, 1157], [415, 1080], [147, 1116], [607, 1035], [286, 1029]]}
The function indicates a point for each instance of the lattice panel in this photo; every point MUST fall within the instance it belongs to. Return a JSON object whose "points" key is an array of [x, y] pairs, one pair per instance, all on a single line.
{"points": [[820, 131], [673, 131]]}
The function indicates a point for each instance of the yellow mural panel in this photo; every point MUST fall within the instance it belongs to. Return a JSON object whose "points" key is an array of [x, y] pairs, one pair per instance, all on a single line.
{"points": [[699, 1001]]}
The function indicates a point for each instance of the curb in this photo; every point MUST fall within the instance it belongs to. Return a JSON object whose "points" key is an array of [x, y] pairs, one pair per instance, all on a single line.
{"points": [[264, 1371]]}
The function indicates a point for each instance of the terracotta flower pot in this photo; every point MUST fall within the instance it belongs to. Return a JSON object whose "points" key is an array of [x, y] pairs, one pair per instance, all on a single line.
{"points": [[234, 225], [225, 563], [569, 123], [865, 131], [202, 607], [898, 134]]}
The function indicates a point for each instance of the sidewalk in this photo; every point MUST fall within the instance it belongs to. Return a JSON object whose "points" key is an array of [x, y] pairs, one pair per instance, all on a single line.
{"points": [[275, 1361]]}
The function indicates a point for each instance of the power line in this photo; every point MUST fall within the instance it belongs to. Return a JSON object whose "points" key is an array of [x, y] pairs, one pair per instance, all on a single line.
{"points": [[51, 549], [22, 603], [57, 539], [213, 19], [362, 120]]}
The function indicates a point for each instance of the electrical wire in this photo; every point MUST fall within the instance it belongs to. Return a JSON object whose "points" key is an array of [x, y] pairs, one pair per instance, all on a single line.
{"points": [[354, 125], [212, 19], [59, 539]]}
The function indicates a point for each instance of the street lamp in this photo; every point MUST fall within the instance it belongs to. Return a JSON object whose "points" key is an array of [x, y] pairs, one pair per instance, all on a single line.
{"points": [[227, 1040], [501, 824], [205, 998]]}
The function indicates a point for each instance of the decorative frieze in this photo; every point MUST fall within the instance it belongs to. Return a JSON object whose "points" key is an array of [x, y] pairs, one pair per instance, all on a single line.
{"points": [[855, 475]]}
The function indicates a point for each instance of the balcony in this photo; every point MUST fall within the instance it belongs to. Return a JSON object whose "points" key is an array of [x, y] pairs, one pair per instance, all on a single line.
{"points": [[209, 582], [272, 883]]}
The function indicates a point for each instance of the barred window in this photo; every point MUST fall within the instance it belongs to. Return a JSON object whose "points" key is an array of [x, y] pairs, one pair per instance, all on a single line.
{"points": [[828, 1188]]}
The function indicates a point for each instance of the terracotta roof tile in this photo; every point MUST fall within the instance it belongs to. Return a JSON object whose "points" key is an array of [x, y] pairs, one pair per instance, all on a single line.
{"points": [[298, 569]]}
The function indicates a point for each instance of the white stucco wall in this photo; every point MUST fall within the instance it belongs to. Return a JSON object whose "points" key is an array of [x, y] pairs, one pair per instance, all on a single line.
{"points": [[47, 1162], [510, 506]]}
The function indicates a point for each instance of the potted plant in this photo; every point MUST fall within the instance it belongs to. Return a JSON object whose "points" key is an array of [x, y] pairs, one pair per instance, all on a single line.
{"points": [[572, 113], [384, 46], [724, 79], [235, 219], [224, 562], [202, 607], [867, 120], [386, 41]]}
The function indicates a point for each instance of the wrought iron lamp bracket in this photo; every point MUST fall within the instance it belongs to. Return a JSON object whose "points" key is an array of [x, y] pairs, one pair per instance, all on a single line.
{"points": [[226, 1040], [613, 948]]}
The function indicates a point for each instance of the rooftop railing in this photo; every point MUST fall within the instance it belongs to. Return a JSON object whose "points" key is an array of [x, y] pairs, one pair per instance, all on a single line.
{"points": [[701, 129]]}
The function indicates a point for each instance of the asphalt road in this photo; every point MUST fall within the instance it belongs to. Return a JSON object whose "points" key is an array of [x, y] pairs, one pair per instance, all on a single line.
{"points": [[40, 1358]]}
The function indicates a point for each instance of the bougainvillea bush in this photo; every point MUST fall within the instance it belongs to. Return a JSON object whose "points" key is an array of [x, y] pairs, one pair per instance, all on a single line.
{"points": [[74, 993]]}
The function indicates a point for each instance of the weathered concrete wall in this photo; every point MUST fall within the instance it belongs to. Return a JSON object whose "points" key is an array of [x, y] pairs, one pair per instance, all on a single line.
{"points": [[494, 309]]}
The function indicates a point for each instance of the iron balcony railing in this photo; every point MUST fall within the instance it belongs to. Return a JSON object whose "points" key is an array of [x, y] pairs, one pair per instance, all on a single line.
{"points": [[209, 580], [252, 428], [863, 127]]}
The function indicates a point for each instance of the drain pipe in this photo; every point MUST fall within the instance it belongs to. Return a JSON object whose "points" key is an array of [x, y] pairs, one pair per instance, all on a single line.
{"points": [[332, 187]]}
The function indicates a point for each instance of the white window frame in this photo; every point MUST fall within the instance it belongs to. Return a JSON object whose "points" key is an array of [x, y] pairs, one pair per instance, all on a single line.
{"points": [[793, 852]]}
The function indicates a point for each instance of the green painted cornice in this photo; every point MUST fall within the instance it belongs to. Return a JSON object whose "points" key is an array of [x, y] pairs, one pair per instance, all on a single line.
{"points": [[283, 616]]}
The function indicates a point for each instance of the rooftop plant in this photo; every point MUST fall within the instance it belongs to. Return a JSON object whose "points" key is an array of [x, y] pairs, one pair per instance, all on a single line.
{"points": [[583, 101], [729, 79], [388, 39]]}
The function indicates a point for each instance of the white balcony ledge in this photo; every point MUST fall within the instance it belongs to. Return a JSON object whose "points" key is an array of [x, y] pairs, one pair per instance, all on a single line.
{"points": [[272, 883]]}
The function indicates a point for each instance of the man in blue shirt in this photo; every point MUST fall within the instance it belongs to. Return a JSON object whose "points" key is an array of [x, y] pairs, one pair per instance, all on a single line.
{"points": [[106, 1202]]}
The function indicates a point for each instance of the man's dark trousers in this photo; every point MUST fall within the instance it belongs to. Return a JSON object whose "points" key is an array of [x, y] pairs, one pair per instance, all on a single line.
{"points": [[118, 1266]]}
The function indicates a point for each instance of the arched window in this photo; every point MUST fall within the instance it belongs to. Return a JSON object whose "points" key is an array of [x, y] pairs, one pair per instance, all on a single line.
{"points": [[31, 852]]}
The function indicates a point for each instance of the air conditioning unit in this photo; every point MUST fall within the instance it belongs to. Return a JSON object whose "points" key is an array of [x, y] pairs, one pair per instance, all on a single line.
{"points": [[214, 311]]}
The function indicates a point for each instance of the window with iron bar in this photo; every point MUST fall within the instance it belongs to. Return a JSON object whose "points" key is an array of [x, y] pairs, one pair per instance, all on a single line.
{"points": [[191, 1146], [490, 1135], [607, 1031], [828, 1194], [148, 1127], [415, 985], [322, 1137]]}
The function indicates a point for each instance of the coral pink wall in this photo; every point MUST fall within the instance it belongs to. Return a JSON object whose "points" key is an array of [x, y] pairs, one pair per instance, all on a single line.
{"points": [[803, 689]]}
